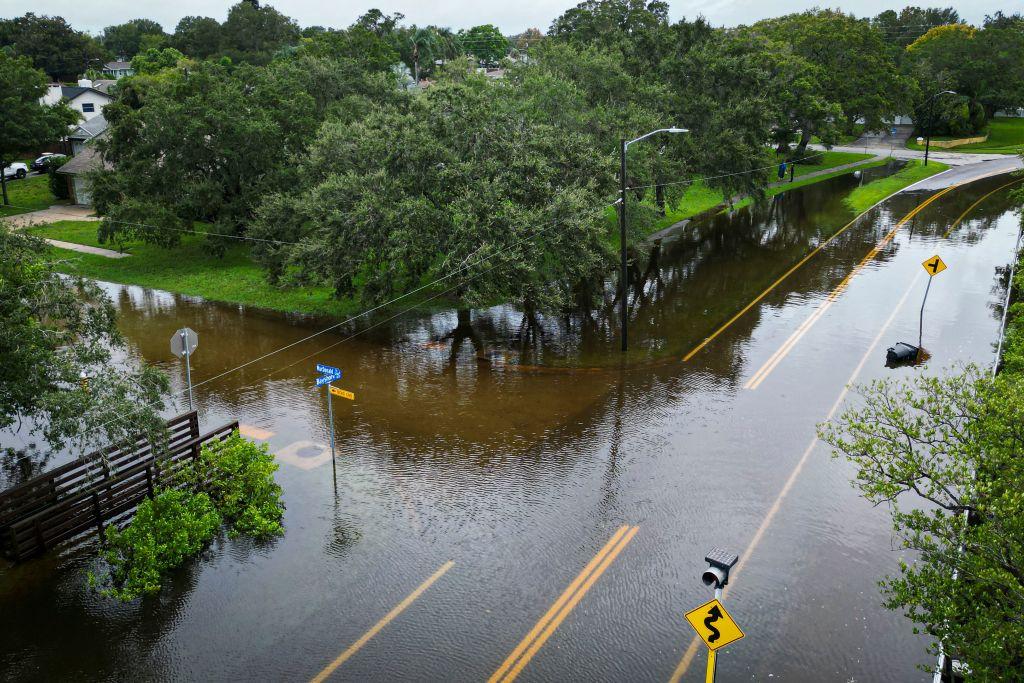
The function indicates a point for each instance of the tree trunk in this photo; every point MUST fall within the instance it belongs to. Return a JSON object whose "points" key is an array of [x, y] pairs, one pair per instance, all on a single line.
{"points": [[3, 182], [659, 198], [416, 63], [805, 137]]}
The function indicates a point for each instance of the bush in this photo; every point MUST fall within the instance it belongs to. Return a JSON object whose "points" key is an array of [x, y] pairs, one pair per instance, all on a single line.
{"points": [[238, 475], [58, 182], [166, 530], [233, 482]]}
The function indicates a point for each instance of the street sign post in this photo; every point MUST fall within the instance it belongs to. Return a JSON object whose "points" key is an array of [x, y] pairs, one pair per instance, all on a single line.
{"points": [[183, 344], [716, 627], [328, 374], [933, 267]]}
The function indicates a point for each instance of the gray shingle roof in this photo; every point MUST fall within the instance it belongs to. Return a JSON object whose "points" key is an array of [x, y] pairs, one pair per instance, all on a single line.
{"points": [[89, 129], [114, 66]]}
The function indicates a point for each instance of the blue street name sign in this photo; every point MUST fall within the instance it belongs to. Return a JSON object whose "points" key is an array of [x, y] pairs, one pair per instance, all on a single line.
{"points": [[328, 374]]}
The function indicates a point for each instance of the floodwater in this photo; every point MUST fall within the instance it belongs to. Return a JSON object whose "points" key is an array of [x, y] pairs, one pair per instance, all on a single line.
{"points": [[517, 453]]}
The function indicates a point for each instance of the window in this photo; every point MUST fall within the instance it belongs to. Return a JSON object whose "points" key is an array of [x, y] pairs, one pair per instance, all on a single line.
{"points": [[88, 107]]}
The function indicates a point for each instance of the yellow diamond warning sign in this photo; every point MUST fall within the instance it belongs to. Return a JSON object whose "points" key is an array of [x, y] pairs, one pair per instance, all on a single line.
{"points": [[714, 625], [934, 266]]}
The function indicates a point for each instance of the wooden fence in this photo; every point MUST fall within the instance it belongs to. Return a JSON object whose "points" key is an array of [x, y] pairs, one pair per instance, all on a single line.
{"points": [[95, 491]]}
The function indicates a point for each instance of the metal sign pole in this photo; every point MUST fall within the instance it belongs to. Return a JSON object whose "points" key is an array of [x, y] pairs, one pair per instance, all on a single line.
{"points": [[330, 416], [188, 367], [713, 654], [920, 322]]}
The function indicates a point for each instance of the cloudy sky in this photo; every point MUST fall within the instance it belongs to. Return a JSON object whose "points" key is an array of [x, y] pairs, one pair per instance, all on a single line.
{"points": [[511, 16]]}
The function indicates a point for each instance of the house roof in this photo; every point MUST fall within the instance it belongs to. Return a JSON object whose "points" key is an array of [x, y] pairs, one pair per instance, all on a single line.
{"points": [[103, 85], [89, 129], [73, 91], [117, 66], [88, 159]]}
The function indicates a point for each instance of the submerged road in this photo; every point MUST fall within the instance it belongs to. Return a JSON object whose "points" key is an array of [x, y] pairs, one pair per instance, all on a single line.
{"points": [[541, 512]]}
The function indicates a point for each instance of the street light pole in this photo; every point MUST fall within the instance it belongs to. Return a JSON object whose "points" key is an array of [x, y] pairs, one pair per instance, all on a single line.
{"points": [[624, 275]]}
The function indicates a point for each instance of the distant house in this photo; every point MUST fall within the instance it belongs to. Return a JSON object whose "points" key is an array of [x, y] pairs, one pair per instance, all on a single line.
{"points": [[76, 170], [83, 97], [82, 133], [118, 69]]}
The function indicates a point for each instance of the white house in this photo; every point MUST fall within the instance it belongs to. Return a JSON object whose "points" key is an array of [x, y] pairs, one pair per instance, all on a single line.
{"points": [[118, 69], [83, 97]]}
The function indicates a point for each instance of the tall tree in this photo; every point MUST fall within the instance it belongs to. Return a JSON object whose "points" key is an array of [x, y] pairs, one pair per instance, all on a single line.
{"points": [[54, 330], [986, 66], [253, 33], [465, 177], [910, 23], [420, 45], [197, 37], [52, 45], [25, 124], [851, 70], [486, 43], [126, 40]]}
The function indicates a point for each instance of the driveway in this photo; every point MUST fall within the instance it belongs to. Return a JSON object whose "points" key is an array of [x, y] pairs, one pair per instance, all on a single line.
{"points": [[57, 212]]}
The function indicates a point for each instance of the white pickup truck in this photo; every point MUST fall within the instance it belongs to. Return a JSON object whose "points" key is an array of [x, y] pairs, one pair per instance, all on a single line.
{"points": [[16, 170]]}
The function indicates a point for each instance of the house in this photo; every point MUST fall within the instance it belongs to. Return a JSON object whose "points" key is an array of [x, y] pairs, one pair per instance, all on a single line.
{"points": [[83, 97], [76, 170], [82, 133], [118, 69]]}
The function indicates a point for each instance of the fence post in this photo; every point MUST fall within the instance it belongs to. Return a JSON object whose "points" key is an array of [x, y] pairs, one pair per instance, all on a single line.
{"points": [[99, 515], [39, 535]]}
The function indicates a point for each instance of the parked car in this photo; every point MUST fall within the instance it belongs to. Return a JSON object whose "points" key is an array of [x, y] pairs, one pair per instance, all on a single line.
{"points": [[16, 170], [39, 165]]}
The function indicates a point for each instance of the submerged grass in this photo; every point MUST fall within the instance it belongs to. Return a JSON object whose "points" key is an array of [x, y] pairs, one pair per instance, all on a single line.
{"points": [[868, 195]]}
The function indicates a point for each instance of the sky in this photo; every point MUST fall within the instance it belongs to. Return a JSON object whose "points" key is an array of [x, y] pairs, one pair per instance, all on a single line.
{"points": [[510, 17]]}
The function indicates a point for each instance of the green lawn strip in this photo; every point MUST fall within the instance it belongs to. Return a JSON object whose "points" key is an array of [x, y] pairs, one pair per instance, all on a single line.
{"points": [[868, 195], [772, 191], [1005, 136], [699, 198], [190, 269], [29, 194]]}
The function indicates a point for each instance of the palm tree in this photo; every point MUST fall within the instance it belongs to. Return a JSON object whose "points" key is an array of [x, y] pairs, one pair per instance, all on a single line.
{"points": [[423, 43]]}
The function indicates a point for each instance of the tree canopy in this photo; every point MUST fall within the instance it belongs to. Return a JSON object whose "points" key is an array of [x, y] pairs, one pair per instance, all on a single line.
{"points": [[52, 45], [132, 37], [52, 331], [27, 125]]}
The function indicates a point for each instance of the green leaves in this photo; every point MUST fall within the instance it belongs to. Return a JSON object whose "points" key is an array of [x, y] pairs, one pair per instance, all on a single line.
{"points": [[232, 482], [933, 450], [52, 330]]}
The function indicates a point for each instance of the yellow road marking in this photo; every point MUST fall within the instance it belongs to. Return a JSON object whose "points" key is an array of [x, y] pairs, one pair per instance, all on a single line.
{"points": [[755, 380], [785, 275], [975, 204], [691, 651], [538, 635], [388, 618]]}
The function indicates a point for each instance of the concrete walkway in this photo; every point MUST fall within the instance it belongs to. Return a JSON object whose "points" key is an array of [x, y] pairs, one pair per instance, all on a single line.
{"points": [[60, 212], [57, 212]]}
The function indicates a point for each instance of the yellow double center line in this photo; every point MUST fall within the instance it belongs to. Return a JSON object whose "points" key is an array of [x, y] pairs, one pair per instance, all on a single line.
{"points": [[973, 206], [783, 351], [538, 635]]}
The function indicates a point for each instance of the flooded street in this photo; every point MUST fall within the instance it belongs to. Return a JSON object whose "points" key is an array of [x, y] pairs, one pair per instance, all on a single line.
{"points": [[516, 455]]}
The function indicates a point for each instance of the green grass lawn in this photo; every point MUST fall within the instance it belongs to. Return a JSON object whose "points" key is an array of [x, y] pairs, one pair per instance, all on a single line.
{"points": [[30, 194], [866, 196], [1005, 136], [699, 198], [190, 269]]}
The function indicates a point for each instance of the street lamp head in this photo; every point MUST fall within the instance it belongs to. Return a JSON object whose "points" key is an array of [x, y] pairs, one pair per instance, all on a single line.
{"points": [[678, 130]]}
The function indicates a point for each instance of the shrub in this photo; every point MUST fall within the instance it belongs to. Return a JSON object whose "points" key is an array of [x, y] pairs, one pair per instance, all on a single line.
{"points": [[166, 530], [238, 475], [58, 182]]}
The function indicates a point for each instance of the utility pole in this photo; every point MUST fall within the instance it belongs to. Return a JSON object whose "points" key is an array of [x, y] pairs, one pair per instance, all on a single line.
{"points": [[623, 276], [623, 291]]}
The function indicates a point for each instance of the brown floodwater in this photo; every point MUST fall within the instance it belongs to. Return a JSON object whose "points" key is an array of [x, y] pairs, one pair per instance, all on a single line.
{"points": [[516, 452]]}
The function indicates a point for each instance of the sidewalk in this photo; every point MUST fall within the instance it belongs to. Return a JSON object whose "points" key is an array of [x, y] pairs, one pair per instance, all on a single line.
{"points": [[60, 212]]}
